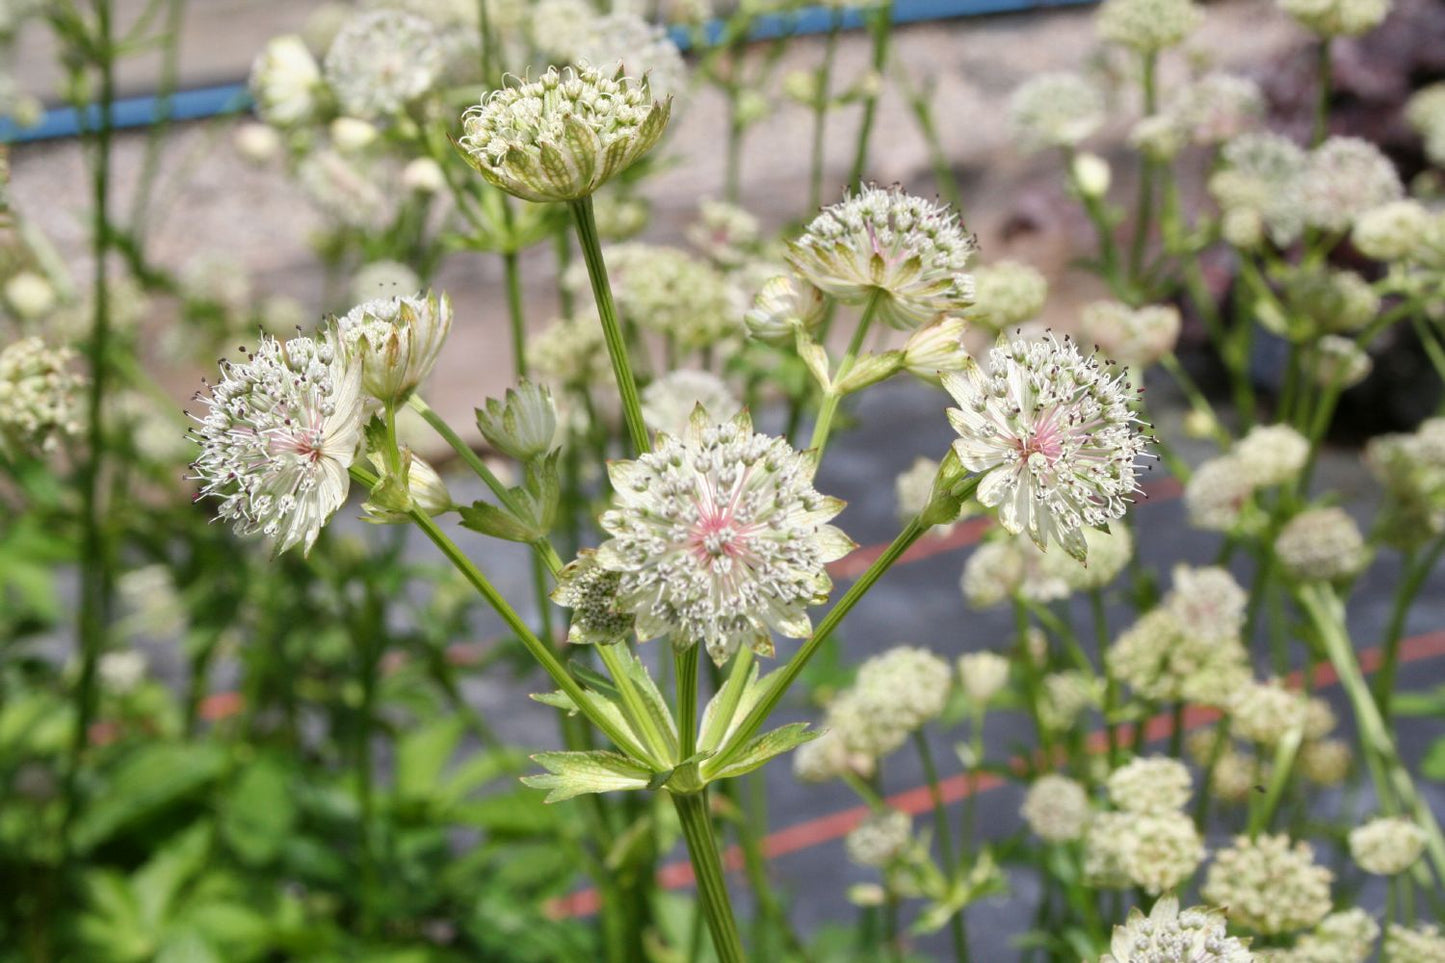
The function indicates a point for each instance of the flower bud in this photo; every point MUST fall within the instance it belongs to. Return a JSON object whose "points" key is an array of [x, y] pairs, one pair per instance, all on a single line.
{"points": [[29, 295], [1091, 175], [425, 492], [257, 143], [399, 340], [424, 176], [284, 81], [784, 305], [936, 348], [524, 425], [349, 134]]}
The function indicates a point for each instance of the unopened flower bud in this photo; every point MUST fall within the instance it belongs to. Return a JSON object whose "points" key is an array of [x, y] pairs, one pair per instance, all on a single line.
{"points": [[424, 176], [399, 340], [936, 348], [425, 492], [1091, 175], [29, 295], [350, 134], [783, 306], [524, 425], [257, 143]]}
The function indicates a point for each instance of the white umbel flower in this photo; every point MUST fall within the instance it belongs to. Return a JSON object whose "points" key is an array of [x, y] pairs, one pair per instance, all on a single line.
{"points": [[880, 839], [720, 537], [39, 397], [1052, 436], [983, 674], [1056, 808], [1198, 935], [1387, 846], [1270, 885], [668, 403], [1008, 293], [284, 82], [907, 252], [1321, 544], [1154, 784], [1347, 176], [397, 341], [1147, 25], [282, 430], [382, 60], [1337, 18], [1418, 944], [1056, 109], [1271, 454]]}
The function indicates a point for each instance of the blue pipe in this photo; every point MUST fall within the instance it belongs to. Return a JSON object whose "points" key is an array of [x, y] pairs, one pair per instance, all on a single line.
{"points": [[202, 102]]}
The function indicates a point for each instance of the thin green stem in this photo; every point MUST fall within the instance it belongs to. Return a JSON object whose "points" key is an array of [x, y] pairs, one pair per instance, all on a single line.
{"points": [[1145, 210], [685, 660], [515, 313], [880, 24], [821, 98], [586, 224], [696, 820], [369, 652], [1324, 67], [832, 397], [787, 675], [1417, 570], [957, 925]]}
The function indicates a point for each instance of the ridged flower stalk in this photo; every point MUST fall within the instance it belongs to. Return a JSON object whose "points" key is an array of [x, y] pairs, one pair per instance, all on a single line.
{"points": [[692, 813], [586, 224], [831, 399], [880, 24]]}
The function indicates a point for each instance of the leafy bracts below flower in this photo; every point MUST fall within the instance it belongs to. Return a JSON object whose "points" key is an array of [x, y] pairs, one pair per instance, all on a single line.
{"points": [[909, 252], [523, 425], [563, 135], [282, 430], [1052, 436], [720, 538], [590, 591]]}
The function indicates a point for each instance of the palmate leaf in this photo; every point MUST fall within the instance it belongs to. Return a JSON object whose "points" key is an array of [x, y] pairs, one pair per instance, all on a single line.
{"points": [[759, 750], [575, 773]]}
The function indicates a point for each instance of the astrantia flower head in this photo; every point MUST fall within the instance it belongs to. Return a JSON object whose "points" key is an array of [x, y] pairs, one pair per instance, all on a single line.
{"points": [[1051, 435], [1260, 189], [1154, 784], [282, 430], [1391, 232], [1265, 712], [1425, 111], [571, 353], [984, 674], [1008, 293], [1156, 851], [669, 291], [668, 403], [1270, 885], [39, 398], [561, 136], [1147, 25], [284, 81], [1056, 808], [881, 243], [590, 591], [1132, 336], [1347, 176], [1207, 601], [908, 684], [1216, 494], [1272, 454], [381, 60], [1321, 544], [1347, 936], [1057, 109], [720, 538], [1166, 935], [1339, 363], [1419, 944], [523, 424], [1337, 18], [1161, 659], [1218, 107], [397, 341], [880, 839], [1387, 846]]}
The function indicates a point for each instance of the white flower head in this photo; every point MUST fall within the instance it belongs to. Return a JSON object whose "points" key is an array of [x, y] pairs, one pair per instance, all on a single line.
{"points": [[720, 538], [590, 591], [284, 81], [907, 252], [40, 399], [668, 403], [1132, 336], [1150, 784], [1008, 294], [1052, 435], [1260, 189], [382, 60], [282, 430], [1056, 808], [1270, 885], [984, 674], [1321, 544], [1147, 25], [1057, 109], [397, 341], [783, 306], [1425, 111], [1347, 176], [561, 136], [1392, 231], [1387, 846], [1198, 935], [29, 295], [1337, 18]]}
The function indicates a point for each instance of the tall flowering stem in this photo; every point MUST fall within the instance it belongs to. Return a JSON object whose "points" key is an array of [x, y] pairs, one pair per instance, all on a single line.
{"points": [[586, 223], [833, 397], [880, 24], [1392, 779], [692, 813]]}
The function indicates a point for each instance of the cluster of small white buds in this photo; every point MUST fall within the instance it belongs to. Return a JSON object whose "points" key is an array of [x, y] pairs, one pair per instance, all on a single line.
{"points": [[1424, 943], [1132, 336], [29, 295], [1426, 113], [1321, 544], [285, 81], [382, 60], [40, 400], [783, 307], [1339, 363], [983, 675], [1007, 294], [1392, 231], [1271, 886], [880, 839], [563, 135], [1346, 177], [1337, 18], [1147, 25], [1151, 784], [1198, 935], [1056, 109], [1056, 808], [590, 591], [1387, 846]]}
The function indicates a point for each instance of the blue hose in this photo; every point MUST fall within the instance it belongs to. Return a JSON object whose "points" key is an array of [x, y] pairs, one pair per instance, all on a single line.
{"points": [[201, 102]]}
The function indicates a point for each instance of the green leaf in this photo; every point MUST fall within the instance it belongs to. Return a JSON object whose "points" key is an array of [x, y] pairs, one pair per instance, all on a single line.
{"points": [[258, 812], [422, 754], [574, 773], [153, 777], [1433, 765], [760, 749], [490, 520], [1430, 703], [158, 884]]}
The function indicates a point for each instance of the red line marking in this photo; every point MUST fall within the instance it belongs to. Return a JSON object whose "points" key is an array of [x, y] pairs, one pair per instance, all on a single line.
{"points": [[814, 832]]}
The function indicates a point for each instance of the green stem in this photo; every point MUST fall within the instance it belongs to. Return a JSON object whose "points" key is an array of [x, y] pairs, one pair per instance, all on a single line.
{"points": [[789, 673], [586, 224], [370, 651], [1417, 570], [685, 660], [957, 925], [821, 98], [832, 397], [1145, 210], [472, 460], [535, 646], [95, 571], [696, 820], [880, 24], [732, 186], [1111, 685], [1324, 68], [512, 267], [1326, 611]]}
